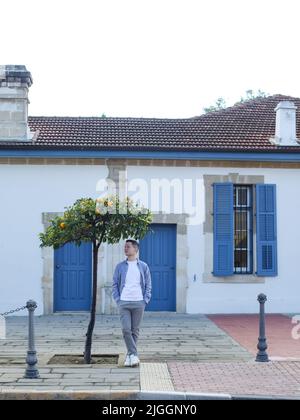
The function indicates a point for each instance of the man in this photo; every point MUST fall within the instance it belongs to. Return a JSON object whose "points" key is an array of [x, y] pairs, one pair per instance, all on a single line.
{"points": [[132, 291]]}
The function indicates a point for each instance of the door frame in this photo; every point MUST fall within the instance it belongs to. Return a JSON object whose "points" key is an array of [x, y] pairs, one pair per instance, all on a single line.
{"points": [[174, 226], [55, 290], [47, 279], [181, 258]]}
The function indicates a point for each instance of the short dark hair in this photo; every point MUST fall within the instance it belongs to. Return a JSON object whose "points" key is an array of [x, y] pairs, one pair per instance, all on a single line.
{"points": [[134, 243]]}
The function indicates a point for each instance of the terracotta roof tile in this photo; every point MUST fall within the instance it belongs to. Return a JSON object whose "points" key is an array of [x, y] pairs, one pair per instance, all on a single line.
{"points": [[244, 127]]}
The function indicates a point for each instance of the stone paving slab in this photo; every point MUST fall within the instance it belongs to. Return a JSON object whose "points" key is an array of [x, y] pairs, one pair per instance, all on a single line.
{"points": [[242, 378], [82, 378], [163, 336]]}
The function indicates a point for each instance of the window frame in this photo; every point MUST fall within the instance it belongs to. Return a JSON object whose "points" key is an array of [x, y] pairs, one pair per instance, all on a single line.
{"points": [[248, 207]]}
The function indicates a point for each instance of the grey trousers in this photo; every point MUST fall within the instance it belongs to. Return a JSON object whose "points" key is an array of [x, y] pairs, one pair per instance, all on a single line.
{"points": [[131, 315]]}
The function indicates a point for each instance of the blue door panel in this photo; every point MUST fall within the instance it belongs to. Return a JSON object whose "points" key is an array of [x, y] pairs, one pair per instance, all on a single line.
{"points": [[73, 277], [158, 250]]}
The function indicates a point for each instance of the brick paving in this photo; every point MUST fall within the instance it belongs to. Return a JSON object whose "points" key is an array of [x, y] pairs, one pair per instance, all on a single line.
{"points": [[244, 330], [240, 378]]}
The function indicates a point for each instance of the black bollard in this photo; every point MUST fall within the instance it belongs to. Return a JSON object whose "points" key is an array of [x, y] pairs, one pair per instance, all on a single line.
{"points": [[262, 346], [31, 359]]}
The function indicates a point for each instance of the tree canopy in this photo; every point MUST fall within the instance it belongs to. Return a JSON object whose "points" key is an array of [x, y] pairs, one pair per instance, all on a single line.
{"points": [[106, 219], [221, 102]]}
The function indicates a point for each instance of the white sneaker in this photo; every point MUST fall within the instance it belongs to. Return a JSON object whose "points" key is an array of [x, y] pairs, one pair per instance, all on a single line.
{"points": [[135, 361], [127, 362]]}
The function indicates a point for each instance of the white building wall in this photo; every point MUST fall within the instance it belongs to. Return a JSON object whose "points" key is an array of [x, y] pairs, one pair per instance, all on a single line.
{"points": [[283, 291], [26, 192]]}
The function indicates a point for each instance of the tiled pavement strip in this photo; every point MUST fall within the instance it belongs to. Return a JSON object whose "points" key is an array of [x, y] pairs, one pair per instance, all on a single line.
{"points": [[168, 344]]}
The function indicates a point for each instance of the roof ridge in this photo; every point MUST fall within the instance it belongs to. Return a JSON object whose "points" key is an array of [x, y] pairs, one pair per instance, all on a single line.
{"points": [[237, 105], [61, 117]]}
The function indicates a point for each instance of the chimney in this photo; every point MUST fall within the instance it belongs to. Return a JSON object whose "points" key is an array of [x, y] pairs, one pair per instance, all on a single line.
{"points": [[14, 84], [285, 133]]}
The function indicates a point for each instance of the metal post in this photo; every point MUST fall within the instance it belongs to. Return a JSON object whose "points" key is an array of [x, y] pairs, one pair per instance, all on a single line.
{"points": [[262, 346], [31, 359]]}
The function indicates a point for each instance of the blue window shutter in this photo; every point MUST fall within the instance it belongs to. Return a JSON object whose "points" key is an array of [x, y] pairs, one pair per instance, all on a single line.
{"points": [[223, 229], [266, 240]]}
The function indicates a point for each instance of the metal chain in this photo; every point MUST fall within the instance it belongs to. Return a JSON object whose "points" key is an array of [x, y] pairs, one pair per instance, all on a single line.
{"points": [[14, 310]]}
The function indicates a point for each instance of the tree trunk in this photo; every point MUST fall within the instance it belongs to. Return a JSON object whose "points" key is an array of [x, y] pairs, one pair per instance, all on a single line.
{"points": [[89, 334]]}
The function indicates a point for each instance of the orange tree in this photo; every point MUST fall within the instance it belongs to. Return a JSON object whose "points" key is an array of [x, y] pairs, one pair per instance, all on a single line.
{"points": [[106, 219]]}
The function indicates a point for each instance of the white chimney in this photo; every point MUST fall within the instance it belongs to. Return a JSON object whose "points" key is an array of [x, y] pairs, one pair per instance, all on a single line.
{"points": [[285, 133], [14, 84]]}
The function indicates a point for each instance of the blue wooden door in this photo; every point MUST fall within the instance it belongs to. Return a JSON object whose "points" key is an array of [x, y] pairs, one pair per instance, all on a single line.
{"points": [[158, 250], [73, 277]]}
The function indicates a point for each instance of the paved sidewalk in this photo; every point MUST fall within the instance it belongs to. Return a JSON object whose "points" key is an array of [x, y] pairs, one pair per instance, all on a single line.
{"points": [[244, 330], [240, 378], [164, 336], [70, 377], [179, 353]]}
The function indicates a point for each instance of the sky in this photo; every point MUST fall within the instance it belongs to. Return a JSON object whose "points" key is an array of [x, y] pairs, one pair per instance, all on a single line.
{"points": [[150, 58]]}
